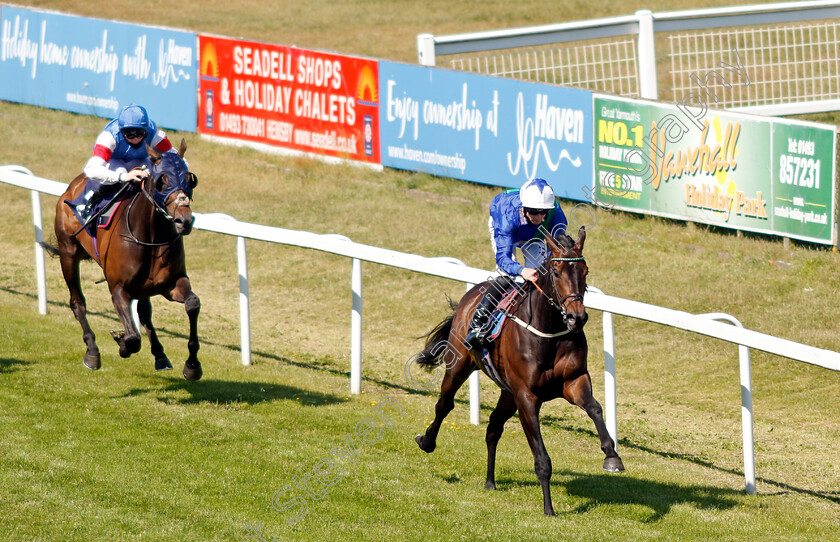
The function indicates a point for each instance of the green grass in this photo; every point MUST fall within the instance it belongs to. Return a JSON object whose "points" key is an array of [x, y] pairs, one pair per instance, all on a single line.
{"points": [[125, 453]]}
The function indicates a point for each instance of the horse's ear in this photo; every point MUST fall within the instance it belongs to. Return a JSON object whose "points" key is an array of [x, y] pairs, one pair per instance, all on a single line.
{"points": [[581, 237], [192, 179], [182, 148], [154, 155]]}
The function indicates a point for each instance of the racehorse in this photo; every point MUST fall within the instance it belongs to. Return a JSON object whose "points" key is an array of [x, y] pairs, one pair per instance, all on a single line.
{"points": [[141, 255], [540, 359]]}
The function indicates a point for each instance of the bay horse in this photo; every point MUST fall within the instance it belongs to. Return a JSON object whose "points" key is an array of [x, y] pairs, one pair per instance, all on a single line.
{"points": [[540, 359], [141, 255]]}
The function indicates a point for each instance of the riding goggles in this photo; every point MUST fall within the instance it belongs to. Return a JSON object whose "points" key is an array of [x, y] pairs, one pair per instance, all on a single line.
{"points": [[134, 133]]}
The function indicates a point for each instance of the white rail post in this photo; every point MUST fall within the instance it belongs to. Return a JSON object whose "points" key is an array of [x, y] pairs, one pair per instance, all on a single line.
{"points": [[475, 390], [356, 329], [244, 301], [40, 265], [647, 56], [747, 418], [610, 409], [610, 412], [426, 49], [746, 402]]}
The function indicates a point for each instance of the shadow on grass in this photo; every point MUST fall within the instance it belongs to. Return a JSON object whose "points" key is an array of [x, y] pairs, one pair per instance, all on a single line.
{"points": [[327, 366], [9, 365], [228, 391], [605, 489], [559, 423]]}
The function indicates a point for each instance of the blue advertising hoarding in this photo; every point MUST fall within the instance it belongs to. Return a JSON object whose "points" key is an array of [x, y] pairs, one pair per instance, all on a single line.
{"points": [[96, 67], [486, 129]]}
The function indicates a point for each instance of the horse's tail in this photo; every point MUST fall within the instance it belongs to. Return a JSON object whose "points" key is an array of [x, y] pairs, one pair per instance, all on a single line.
{"points": [[431, 354], [52, 250]]}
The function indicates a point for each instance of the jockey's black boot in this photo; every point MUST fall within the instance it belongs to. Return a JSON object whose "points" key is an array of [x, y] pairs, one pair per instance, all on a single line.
{"points": [[480, 324]]}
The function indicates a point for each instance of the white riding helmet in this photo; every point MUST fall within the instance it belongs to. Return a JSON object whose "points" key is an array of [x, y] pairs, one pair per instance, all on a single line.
{"points": [[537, 194]]}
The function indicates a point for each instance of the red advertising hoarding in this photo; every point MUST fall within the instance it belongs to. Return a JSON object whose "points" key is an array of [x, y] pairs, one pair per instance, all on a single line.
{"points": [[287, 97]]}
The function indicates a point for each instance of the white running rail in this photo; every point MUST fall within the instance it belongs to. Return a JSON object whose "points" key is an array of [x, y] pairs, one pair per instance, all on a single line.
{"points": [[451, 268]]}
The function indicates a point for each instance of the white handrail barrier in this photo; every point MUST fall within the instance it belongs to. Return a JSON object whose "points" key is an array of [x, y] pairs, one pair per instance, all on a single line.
{"points": [[455, 270]]}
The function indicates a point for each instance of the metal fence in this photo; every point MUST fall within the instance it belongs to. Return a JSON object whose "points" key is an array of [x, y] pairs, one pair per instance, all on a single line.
{"points": [[790, 51]]}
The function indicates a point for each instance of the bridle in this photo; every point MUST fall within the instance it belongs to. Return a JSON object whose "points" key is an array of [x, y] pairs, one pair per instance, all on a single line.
{"points": [[570, 298], [158, 208]]}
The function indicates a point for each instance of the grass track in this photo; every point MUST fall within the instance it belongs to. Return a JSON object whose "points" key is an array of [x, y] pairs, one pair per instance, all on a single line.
{"points": [[125, 454]]}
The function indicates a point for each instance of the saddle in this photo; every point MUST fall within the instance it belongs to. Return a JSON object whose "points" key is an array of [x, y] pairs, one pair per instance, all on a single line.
{"points": [[497, 322], [500, 314], [105, 204]]}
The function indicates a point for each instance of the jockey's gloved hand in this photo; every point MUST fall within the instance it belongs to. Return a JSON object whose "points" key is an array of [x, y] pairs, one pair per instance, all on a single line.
{"points": [[137, 174]]}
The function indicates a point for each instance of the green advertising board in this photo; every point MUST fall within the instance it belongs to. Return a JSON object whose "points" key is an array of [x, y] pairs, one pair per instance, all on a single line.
{"points": [[721, 168]]}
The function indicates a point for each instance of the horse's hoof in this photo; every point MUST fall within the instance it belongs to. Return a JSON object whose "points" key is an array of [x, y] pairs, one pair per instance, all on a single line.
{"points": [[129, 346], [92, 361], [192, 372], [613, 464], [490, 485], [428, 449], [162, 364], [117, 335]]}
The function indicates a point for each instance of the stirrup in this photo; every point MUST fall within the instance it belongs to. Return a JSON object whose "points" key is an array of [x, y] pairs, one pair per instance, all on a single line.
{"points": [[474, 339]]}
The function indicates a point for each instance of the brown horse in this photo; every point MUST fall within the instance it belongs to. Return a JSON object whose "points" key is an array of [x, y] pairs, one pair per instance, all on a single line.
{"points": [[539, 356], [141, 255]]}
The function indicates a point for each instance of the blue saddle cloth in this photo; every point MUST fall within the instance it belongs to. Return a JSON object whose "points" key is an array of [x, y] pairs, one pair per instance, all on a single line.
{"points": [[107, 194], [500, 313]]}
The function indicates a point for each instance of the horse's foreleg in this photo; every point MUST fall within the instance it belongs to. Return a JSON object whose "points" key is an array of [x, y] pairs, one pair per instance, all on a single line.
{"points": [[579, 392], [183, 293], [144, 311], [505, 408], [452, 381], [129, 341], [70, 270], [529, 416]]}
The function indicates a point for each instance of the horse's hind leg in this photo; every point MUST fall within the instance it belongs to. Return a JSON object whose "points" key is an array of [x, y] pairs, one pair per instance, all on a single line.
{"points": [[182, 293], [452, 381], [505, 408], [579, 392], [144, 311], [130, 341], [70, 258]]}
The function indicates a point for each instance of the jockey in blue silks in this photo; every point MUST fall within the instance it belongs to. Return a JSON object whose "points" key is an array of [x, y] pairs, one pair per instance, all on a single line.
{"points": [[119, 153], [515, 220]]}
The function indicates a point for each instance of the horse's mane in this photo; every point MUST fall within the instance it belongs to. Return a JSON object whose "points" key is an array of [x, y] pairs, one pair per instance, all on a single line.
{"points": [[564, 241]]}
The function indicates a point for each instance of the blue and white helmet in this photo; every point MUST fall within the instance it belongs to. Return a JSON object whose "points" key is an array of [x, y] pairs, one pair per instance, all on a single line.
{"points": [[537, 194]]}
